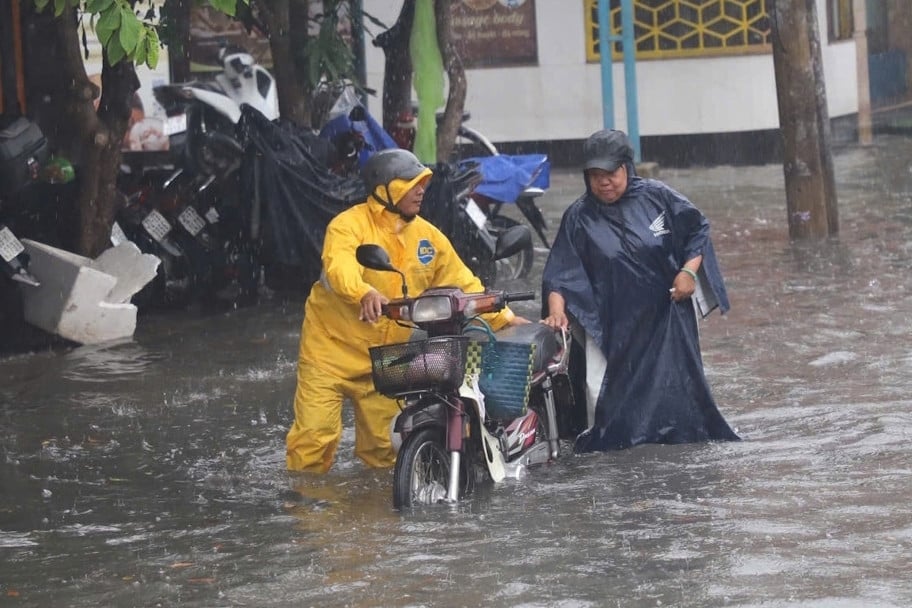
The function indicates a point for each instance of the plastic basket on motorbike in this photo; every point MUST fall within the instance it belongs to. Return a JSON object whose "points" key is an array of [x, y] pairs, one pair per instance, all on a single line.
{"points": [[420, 365], [506, 363]]}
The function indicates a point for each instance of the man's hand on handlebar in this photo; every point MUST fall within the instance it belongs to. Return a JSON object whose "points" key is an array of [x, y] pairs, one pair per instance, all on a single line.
{"points": [[372, 306]]}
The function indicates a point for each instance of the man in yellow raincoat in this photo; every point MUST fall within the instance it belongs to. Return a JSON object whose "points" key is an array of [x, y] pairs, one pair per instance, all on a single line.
{"points": [[342, 314]]}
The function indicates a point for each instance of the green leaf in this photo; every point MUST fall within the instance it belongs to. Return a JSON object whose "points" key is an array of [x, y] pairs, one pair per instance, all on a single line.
{"points": [[98, 6], [152, 48], [141, 51], [229, 7], [130, 27], [59, 7], [107, 25], [40, 5], [115, 51]]}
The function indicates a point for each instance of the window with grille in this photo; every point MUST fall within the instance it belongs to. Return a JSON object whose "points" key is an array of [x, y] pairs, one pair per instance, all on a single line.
{"points": [[685, 28], [840, 19]]}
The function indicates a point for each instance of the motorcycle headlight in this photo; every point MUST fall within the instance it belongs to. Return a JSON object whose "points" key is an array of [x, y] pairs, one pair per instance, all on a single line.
{"points": [[432, 308]]}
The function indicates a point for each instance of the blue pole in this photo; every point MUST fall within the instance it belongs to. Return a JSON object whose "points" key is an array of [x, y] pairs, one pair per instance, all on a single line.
{"points": [[630, 82], [604, 27]]}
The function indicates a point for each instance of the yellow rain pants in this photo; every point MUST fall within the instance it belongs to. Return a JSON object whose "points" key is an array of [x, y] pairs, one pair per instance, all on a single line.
{"points": [[334, 361]]}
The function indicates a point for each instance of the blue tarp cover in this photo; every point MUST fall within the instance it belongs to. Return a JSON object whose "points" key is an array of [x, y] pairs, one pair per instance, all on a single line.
{"points": [[375, 136], [504, 177]]}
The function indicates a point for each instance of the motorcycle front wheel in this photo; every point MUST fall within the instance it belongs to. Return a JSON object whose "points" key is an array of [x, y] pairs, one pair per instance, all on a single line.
{"points": [[422, 472]]}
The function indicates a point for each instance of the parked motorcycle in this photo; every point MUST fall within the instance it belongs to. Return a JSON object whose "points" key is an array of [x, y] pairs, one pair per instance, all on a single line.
{"points": [[191, 215], [23, 152], [145, 218], [502, 186], [14, 260], [501, 416], [216, 105]]}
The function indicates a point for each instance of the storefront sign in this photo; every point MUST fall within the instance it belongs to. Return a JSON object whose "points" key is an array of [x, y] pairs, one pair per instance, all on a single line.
{"points": [[495, 33]]}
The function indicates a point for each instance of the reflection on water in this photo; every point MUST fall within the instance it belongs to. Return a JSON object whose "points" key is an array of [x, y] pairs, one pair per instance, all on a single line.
{"points": [[151, 472]]}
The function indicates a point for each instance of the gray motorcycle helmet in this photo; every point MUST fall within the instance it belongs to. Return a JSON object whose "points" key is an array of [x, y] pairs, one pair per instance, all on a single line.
{"points": [[387, 165], [607, 149]]}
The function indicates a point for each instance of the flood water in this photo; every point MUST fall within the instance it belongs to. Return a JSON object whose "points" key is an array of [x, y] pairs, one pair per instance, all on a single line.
{"points": [[151, 472]]}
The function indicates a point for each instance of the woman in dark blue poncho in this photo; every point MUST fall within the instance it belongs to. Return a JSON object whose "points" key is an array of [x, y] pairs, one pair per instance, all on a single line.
{"points": [[625, 265]]}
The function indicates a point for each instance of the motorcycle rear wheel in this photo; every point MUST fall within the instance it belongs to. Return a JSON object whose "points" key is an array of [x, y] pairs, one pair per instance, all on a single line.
{"points": [[422, 471], [519, 264]]}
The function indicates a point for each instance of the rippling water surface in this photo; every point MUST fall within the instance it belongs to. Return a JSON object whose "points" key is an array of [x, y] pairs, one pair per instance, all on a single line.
{"points": [[151, 472]]}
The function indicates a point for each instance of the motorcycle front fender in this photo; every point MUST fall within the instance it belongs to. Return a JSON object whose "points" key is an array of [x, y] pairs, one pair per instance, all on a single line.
{"points": [[424, 413]]}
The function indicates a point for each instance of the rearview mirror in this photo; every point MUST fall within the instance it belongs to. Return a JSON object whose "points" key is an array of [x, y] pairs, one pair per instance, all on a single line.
{"points": [[374, 257]]}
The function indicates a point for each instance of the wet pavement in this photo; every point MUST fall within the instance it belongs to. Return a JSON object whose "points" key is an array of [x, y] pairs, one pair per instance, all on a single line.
{"points": [[151, 472]]}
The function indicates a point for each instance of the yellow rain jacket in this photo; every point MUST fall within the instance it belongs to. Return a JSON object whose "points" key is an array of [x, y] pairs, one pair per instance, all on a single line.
{"points": [[334, 360], [333, 336]]}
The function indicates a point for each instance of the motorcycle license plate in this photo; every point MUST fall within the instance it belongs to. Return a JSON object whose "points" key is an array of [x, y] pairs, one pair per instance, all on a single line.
{"points": [[175, 124], [156, 225], [10, 246], [478, 216], [118, 236], [191, 220]]}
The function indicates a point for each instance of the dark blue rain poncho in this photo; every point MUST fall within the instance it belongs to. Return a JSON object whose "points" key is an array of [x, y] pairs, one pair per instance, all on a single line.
{"points": [[614, 265]]}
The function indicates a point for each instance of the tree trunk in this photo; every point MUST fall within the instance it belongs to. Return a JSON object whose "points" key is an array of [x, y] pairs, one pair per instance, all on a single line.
{"points": [[452, 116], [90, 139], [808, 164], [276, 16], [397, 71], [299, 20]]}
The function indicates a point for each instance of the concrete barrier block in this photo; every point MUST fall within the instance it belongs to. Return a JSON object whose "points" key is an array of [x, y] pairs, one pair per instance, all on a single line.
{"points": [[79, 301]]}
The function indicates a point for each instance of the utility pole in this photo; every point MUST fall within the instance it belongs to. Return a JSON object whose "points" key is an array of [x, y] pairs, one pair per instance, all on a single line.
{"points": [[804, 121], [860, 20], [628, 44]]}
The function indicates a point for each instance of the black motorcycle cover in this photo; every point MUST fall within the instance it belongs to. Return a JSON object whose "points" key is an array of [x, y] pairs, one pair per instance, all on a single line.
{"points": [[286, 168], [447, 190]]}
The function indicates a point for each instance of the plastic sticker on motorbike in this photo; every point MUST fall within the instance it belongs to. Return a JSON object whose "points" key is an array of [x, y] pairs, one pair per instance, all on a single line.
{"points": [[10, 246], [476, 214], [191, 220], [156, 225], [426, 251], [118, 236]]}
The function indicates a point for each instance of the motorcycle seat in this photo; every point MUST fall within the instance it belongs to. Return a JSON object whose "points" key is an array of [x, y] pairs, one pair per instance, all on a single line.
{"points": [[543, 337]]}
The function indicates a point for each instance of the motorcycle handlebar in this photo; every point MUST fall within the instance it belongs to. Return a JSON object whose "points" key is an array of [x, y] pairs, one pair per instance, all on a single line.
{"points": [[519, 296]]}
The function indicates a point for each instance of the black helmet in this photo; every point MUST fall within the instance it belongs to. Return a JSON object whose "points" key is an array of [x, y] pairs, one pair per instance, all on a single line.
{"points": [[607, 149], [387, 165]]}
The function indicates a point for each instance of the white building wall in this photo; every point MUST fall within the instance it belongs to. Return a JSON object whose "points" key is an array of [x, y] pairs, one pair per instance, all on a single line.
{"points": [[561, 98]]}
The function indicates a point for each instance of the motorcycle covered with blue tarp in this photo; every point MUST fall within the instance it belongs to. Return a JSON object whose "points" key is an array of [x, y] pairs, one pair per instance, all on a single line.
{"points": [[519, 179]]}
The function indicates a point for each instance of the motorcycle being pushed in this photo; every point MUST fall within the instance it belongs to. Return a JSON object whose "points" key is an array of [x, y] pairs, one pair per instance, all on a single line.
{"points": [[450, 427]]}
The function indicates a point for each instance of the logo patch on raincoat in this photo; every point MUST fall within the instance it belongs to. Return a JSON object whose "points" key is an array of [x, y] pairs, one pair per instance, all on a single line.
{"points": [[426, 251], [658, 226]]}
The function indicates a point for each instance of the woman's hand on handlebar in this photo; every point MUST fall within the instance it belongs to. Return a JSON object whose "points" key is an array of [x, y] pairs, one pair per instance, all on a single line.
{"points": [[557, 315], [372, 306], [557, 320]]}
